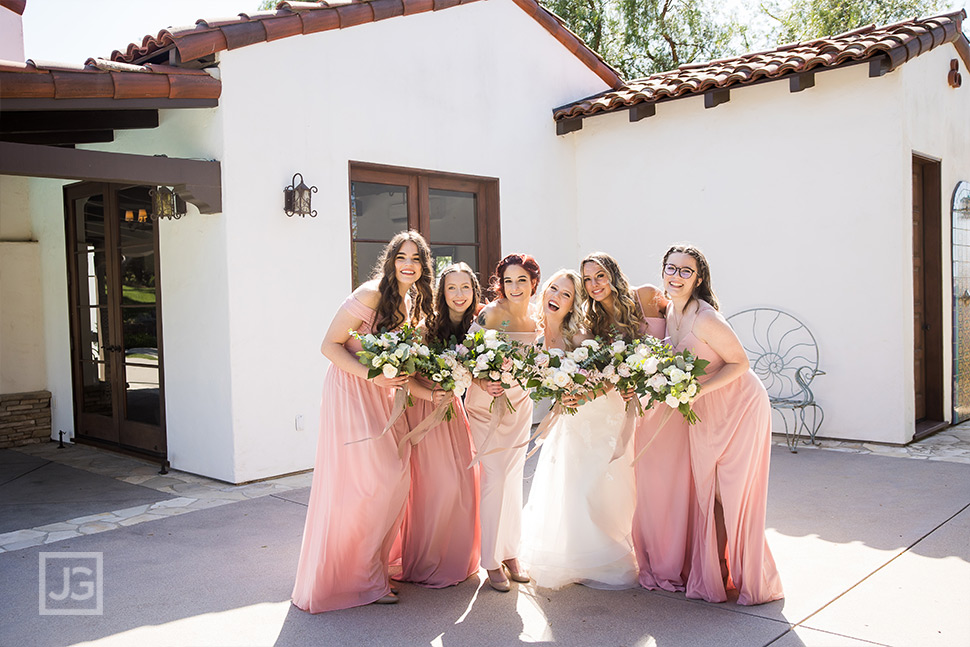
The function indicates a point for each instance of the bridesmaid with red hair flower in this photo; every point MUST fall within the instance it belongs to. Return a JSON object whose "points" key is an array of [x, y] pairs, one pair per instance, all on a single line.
{"points": [[515, 280]]}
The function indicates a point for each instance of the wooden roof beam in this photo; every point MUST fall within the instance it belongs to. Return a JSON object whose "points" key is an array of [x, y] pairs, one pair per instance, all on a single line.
{"points": [[198, 181]]}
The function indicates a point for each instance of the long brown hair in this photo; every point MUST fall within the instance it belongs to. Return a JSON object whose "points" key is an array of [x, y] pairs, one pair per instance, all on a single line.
{"points": [[626, 318], [440, 326], [526, 262], [389, 314], [703, 289]]}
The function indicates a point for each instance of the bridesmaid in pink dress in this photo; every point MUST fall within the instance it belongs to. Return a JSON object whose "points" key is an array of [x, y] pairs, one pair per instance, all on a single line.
{"points": [[730, 447], [515, 280], [359, 490], [661, 519], [440, 543]]}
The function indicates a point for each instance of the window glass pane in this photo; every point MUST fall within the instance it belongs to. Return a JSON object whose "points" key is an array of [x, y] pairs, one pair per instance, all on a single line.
{"points": [[96, 388], [140, 330], [364, 258], [142, 401], [93, 333], [452, 215], [377, 211], [445, 255]]}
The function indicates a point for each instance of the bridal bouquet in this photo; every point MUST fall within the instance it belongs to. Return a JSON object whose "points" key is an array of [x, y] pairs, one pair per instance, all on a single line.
{"points": [[675, 382], [553, 373], [445, 369], [392, 353], [489, 355], [633, 364]]}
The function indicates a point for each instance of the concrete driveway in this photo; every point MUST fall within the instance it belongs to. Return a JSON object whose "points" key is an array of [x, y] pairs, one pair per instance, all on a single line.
{"points": [[872, 550]]}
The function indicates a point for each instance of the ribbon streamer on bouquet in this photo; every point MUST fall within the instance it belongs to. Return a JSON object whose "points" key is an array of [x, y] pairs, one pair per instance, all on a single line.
{"points": [[669, 412], [634, 410], [421, 430], [502, 404], [397, 410], [543, 430]]}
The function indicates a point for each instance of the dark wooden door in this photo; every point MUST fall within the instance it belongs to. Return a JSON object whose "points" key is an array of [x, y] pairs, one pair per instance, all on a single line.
{"points": [[115, 317], [927, 297], [919, 331]]}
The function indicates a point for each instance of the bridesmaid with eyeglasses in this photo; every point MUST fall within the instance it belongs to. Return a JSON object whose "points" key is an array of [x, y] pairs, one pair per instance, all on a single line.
{"points": [[730, 446]]}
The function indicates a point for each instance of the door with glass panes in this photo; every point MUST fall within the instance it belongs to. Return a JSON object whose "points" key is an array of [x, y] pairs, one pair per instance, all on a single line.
{"points": [[116, 346], [457, 215]]}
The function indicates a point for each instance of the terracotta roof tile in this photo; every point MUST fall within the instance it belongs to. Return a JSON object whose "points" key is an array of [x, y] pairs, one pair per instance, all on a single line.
{"points": [[16, 6], [292, 18], [101, 79], [900, 41]]}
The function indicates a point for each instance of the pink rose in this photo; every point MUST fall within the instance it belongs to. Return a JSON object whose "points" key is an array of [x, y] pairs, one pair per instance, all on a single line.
{"points": [[507, 364]]}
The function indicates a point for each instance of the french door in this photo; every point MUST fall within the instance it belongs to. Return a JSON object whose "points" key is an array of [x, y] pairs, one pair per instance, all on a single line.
{"points": [[116, 348]]}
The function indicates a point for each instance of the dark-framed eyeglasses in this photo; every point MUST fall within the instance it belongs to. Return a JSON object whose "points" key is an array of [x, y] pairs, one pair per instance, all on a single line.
{"points": [[684, 272]]}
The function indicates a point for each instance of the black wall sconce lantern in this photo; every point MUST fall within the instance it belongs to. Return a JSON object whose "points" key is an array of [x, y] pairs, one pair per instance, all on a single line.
{"points": [[166, 204], [296, 198]]}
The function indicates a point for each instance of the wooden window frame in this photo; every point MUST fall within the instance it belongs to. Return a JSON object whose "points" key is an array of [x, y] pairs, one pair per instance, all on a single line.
{"points": [[419, 183]]}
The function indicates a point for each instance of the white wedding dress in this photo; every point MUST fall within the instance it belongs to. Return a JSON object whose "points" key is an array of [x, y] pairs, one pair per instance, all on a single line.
{"points": [[578, 521]]}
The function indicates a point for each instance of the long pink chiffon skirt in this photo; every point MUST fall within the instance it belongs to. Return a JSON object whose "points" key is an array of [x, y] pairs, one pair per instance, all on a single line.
{"points": [[502, 472], [732, 444], [439, 541], [665, 498], [356, 500]]}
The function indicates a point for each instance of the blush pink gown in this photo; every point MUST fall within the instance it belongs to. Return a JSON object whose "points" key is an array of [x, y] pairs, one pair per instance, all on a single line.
{"points": [[502, 472], [665, 493], [439, 542], [358, 493], [730, 448]]}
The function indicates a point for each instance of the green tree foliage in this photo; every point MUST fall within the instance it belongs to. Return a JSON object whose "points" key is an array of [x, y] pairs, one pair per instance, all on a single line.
{"points": [[642, 37], [809, 19]]}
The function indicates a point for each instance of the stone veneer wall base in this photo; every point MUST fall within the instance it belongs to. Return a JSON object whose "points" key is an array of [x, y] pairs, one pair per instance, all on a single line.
{"points": [[25, 418]]}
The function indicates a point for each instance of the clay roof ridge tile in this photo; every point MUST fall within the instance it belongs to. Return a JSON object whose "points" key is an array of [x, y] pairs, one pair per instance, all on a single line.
{"points": [[117, 66], [43, 65]]}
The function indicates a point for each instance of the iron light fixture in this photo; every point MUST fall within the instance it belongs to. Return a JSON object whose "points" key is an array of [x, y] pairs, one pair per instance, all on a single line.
{"points": [[166, 203], [296, 198]]}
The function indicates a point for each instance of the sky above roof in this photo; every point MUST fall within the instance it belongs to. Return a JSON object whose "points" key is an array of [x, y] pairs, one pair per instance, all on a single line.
{"points": [[63, 30], [71, 31]]}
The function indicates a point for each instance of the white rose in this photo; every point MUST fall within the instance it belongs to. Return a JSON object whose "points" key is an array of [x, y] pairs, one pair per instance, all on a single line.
{"points": [[619, 346], [613, 378], [690, 367], [568, 365], [624, 370], [377, 361], [389, 370], [650, 365], [494, 375], [684, 398], [581, 354], [592, 343], [691, 390], [677, 376], [542, 360], [561, 379], [672, 402], [424, 351], [558, 352], [480, 348], [491, 333], [609, 370], [507, 378], [657, 382], [492, 343]]}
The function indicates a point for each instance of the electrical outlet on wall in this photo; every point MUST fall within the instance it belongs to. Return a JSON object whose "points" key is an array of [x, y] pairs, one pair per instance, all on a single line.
{"points": [[299, 422]]}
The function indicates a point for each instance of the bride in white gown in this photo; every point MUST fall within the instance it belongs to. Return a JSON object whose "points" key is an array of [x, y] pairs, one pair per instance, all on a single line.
{"points": [[577, 523]]}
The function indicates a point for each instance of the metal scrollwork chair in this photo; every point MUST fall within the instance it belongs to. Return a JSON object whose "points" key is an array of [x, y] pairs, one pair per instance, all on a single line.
{"points": [[784, 355]]}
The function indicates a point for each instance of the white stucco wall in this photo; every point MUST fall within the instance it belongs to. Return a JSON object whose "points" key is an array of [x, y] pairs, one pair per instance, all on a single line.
{"points": [[802, 201], [11, 35], [468, 90], [22, 347]]}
